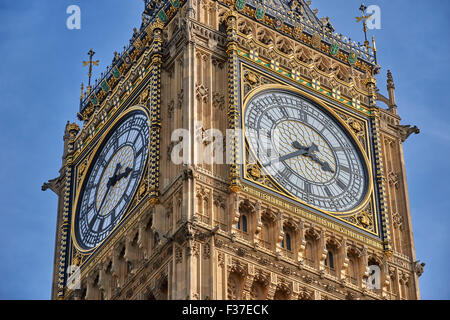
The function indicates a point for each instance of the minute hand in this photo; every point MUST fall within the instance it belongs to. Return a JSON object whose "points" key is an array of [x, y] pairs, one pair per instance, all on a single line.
{"points": [[288, 156]]}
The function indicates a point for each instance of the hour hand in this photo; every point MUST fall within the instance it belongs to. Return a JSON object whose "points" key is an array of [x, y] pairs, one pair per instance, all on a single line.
{"points": [[113, 180], [124, 174], [323, 164], [297, 145]]}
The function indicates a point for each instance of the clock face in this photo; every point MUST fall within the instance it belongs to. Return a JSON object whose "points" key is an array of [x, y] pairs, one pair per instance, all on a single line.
{"points": [[112, 180], [305, 151]]}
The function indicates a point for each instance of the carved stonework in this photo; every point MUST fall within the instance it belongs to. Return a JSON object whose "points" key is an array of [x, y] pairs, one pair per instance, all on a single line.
{"points": [[221, 260], [178, 255], [357, 127], [219, 101], [192, 68], [253, 80], [202, 92], [406, 131], [81, 170], [363, 219], [170, 108]]}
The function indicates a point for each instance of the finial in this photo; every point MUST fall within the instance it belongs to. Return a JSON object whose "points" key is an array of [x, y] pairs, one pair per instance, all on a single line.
{"points": [[374, 48], [82, 91], [391, 92], [90, 63], [364, 19], [390, 80]]}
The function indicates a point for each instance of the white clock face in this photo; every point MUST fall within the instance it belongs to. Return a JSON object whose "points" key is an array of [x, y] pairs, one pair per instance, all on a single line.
{"points": [[112, 180], [305, 151]]}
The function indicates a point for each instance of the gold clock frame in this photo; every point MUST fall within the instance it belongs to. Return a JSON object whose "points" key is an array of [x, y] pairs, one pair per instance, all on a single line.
{"points": [[91, 156], [369, 198]]}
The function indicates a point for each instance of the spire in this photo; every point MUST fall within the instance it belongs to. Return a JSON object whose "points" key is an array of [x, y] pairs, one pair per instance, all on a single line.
{"points": [[90, 63], [364, 19], [390, 80], [391, 92]]}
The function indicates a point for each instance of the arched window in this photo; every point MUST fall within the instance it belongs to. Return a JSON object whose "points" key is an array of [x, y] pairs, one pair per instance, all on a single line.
{"points": [[286, 243], [329, 261], [265, 236], [242, 223], [310, 254], [353, 269], [332, 259]]}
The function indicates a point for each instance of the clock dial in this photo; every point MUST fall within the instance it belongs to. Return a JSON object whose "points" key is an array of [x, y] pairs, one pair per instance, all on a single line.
{"points": [[112, 180], [305, 151]]}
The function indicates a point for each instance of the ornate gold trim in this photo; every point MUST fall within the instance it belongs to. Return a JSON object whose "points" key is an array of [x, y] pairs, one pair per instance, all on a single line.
{"points": [[370, 194], [78, 189]]}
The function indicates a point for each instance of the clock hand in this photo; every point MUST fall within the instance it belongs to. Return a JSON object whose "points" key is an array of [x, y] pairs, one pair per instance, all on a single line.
{"points": [[323, 164], [124, 174], [301, 151], [287, 156], [104, 198], [311, 154], [112, 181]]}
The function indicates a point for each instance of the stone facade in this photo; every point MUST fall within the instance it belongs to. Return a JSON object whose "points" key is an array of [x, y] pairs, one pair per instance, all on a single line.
{"points": [[184, 236]]}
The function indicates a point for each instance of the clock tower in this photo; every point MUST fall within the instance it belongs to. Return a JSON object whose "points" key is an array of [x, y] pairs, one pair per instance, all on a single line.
{"points": [[236, 149]]}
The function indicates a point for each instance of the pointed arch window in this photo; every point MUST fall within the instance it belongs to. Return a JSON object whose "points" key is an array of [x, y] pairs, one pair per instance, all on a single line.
{"points": [[286, 243], [242, 224], [329, 261]]}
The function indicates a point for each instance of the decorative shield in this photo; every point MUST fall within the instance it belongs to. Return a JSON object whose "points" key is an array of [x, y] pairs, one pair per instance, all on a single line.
{"points": [[116, 73], [316, 40], [240, 4], [352, 57], [259, 13], [175, 3], [334, 49], [105, 86], [162, 16], [94, 99]]}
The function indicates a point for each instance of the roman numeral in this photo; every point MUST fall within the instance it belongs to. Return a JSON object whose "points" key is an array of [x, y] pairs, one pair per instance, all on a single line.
{"points": [[100, 226], [136, 139], [307, 188], [91, 206], [328, 192], [341, 184], [303, 115], [345, 169], [140, 151], [286, 173], [91, 224], [116, 142]]}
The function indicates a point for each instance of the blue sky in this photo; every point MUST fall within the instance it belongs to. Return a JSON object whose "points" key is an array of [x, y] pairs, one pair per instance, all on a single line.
{"points": [[40, 77]]}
